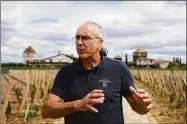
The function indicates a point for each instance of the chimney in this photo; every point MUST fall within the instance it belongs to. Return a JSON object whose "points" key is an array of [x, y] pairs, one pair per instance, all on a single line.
{"points": [[58, 52], [71, 54]]}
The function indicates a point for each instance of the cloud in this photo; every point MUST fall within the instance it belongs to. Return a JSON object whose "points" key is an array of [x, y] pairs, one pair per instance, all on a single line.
{"points": [[44, 20], [129, 31], [48, 26]]}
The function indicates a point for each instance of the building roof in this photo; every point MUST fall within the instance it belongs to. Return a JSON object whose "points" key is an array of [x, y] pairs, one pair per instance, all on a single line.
{"points": [[29, 50], [143, 58], [72, 57], [117, 57], [131, 62], [160, 61], [139, 50]]}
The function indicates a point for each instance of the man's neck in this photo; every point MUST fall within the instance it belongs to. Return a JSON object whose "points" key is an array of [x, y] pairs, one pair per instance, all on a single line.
{"points": [[92, 61]]}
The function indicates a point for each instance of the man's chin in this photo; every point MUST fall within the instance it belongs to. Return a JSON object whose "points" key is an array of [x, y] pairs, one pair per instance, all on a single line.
{"points": [[82, 56]]}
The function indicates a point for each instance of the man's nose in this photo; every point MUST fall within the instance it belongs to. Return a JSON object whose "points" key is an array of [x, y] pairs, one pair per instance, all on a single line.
{"points": [[79, 41]]}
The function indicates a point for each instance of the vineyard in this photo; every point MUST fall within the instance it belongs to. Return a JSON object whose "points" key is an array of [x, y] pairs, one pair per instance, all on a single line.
{"points": [[23, 96]]}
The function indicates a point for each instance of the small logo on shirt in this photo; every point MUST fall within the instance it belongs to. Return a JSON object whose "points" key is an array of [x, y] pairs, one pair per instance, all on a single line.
{"points": [[104, 82]]}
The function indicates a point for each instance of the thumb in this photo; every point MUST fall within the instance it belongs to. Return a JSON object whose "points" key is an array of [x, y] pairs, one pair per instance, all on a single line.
{"points": [[133, 91]]}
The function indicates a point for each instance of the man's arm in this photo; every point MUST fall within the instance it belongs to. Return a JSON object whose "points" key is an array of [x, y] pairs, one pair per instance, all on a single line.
{"points": [[54, 108], [140, 101]]}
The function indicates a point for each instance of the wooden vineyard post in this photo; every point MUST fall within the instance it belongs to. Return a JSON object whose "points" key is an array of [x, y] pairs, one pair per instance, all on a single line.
{"points": [[139, 75], [27, 91], [152, 81], [31, 76], [37, 84], [158, 78], [181, 89], [5, 103], [38, 88], [22, 75], [173, 86], [26, 113], [163, 82], [148, 78], [142, 76], [168, 84], [44, 80], [184, 82], [49, 81], [157, 87], [36, 77]]}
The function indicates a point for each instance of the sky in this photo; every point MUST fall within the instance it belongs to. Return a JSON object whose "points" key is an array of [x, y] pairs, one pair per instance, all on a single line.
{"points": [[159, 27]]}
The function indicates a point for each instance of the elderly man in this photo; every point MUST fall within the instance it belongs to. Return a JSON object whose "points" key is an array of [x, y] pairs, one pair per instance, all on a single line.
{"points": [[92, 87]]}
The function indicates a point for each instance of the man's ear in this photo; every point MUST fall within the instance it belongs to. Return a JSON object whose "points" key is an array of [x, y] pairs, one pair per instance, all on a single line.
{"points": [[100, 43]]}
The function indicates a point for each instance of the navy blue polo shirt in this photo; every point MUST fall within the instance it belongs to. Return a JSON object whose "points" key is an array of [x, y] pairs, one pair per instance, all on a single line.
{"points": [[73, 82]]}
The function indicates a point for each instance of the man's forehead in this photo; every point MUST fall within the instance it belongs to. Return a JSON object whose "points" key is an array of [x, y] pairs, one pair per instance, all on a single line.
{"points": [[86, 30]]}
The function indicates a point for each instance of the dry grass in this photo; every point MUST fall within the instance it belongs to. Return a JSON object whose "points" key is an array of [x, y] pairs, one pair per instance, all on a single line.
{"points": [[163, 110]]}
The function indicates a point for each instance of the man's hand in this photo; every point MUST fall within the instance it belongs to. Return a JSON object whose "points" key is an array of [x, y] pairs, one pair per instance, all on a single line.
{"points": [[94, 97], [142, 100]]}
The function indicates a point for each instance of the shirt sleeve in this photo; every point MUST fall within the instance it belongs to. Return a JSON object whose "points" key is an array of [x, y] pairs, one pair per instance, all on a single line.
{"points": [[126, 79], [60, 82]]}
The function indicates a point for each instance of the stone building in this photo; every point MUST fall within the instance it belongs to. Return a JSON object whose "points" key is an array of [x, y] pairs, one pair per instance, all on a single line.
{"points": [[29, 55]]}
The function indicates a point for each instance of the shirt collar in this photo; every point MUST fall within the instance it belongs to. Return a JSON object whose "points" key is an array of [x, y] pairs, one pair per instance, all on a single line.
{"points": [[97, 67]]}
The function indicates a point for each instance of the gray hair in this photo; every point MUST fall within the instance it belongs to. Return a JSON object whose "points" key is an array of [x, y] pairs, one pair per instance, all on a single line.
{"points": [[99, 30]]}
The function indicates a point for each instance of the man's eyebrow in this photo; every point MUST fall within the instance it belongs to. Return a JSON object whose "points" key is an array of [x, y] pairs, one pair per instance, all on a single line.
{"points": [[83, 35]]}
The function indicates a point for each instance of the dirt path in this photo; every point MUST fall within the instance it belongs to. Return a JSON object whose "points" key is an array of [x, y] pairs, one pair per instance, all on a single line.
{"points": [[132, 117]]}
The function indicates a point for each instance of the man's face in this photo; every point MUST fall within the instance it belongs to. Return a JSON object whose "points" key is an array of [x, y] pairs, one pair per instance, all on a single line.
{"points": [[86, 41]]}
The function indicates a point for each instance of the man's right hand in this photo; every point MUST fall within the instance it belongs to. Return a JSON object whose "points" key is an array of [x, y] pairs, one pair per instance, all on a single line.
{"points": [[92, 98]]}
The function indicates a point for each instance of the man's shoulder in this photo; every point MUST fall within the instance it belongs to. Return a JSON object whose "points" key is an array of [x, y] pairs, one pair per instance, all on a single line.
{"points": [[116, 63], [112, 61], [70, 67]]}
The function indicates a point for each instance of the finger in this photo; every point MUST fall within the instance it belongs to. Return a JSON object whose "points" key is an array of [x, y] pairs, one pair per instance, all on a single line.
{"points": [[147, 101], [91, 108], [95, 101], [101, 98], [96, 95], [149, 107], [144, 96], [97, 91], [141, 91], [135, 93]]}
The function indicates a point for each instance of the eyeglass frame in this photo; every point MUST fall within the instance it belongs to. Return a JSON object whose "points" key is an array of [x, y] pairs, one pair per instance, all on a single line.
{"points": [[88, 40]]}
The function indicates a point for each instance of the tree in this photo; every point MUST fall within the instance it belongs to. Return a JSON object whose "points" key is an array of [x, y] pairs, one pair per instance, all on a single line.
{"points": [[180, 61], [126, 58], [177, 60], [174, 60]]}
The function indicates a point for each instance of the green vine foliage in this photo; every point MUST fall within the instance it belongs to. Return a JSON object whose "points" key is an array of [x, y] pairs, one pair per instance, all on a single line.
{"points": [[18, 94], [35, 108], [31, 115], [32, 92]]}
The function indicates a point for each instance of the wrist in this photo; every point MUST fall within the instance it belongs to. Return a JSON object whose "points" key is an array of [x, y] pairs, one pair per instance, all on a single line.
{"points": [[76, 105]]}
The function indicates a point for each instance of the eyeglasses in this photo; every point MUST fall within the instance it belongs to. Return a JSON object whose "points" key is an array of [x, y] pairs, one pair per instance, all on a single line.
{"points": [[84, 38]]}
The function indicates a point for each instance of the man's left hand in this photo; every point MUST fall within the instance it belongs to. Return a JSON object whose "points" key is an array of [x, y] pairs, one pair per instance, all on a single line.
{"points": [[142, 99]]}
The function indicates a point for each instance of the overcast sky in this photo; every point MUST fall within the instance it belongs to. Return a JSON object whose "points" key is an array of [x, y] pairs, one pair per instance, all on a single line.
{"points": [[157, 26]]}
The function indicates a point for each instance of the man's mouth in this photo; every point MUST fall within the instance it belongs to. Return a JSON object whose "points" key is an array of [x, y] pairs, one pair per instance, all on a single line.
{"points": [[80, 50]]}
